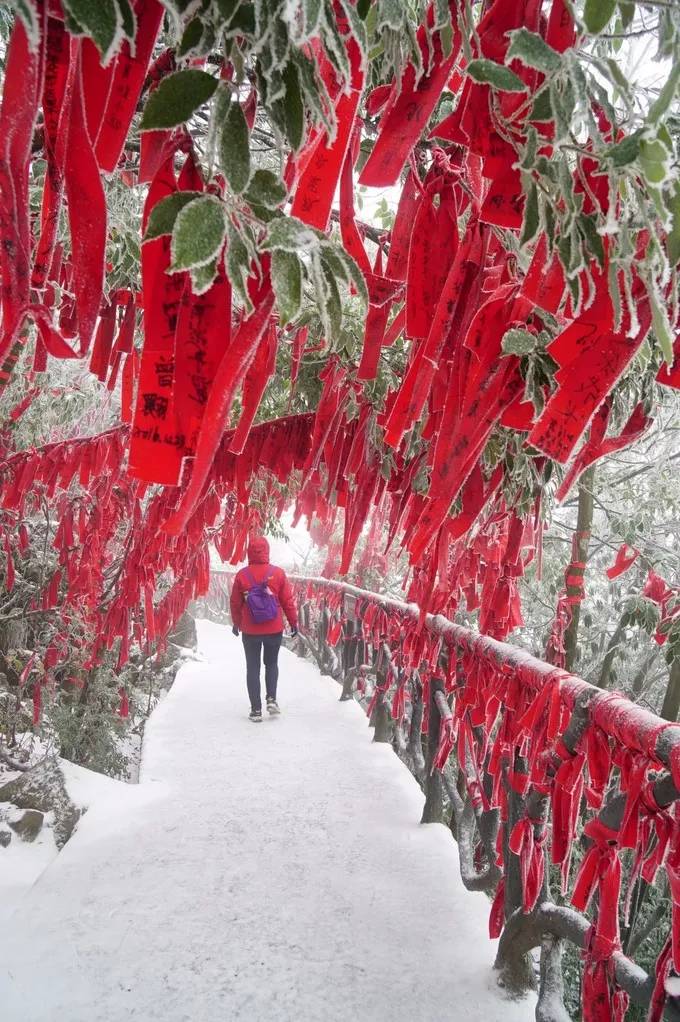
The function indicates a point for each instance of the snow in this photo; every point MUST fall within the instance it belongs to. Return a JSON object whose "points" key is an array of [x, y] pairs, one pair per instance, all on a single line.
{"points": [[21, 864], [258, 872]]}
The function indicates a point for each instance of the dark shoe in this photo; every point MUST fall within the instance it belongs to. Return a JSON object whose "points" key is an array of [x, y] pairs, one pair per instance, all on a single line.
{"points": [[255, 716], [272, 706]]}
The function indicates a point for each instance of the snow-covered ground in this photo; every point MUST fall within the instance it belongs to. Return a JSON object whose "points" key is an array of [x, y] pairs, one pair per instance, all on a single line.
{"points": [[268, 873]]}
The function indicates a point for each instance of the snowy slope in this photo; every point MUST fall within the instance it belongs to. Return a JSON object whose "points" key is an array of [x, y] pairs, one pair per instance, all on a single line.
{"points": [[268, 873]]}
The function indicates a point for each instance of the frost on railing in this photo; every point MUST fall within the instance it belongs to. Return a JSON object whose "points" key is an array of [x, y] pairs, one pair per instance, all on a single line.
{"points": [[562, 796]]}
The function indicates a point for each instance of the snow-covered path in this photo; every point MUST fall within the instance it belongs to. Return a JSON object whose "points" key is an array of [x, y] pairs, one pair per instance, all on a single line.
{"points": [[271, 873]]}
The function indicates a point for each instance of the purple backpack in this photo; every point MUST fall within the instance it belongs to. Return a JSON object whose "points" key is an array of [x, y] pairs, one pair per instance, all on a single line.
{"points": [[262, 603]]}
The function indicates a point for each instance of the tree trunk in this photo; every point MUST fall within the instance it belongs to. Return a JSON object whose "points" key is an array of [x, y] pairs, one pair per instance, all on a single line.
{"points": [[579, 560], [612, 647], [640, 677], [671, 700]]}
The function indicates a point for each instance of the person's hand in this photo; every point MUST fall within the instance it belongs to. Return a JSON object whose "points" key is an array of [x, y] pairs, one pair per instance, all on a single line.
{"points": [[234, 630], [293, 632]]}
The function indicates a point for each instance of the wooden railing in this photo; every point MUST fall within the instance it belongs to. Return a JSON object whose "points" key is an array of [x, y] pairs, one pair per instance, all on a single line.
{"points": [[561, 796]]}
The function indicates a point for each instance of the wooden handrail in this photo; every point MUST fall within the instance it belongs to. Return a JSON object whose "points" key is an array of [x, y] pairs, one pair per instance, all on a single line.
{"points": [[463, 789]]}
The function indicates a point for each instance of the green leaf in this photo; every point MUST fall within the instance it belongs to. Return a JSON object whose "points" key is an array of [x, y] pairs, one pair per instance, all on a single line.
{"points": [[290, 235], [331, 311], [597, 14], [487, 72], [294, 111], [532, 51], [235, 148], [626, 151], [128, 19], [660, 324], [286, 274], [518, 342], [531, 221], [560, 113], [549, 219], [619, 79], [177, 97], [665, 97], [238, 263], [542, 109], [344, 268], [164, 214], [627, 8], [530, 149], [99, 20], [654, 159], [199, 233], [588, 227], [191, 37], [673, 203], [266, 189], [203, 277], [311, 16], [28, 12]]}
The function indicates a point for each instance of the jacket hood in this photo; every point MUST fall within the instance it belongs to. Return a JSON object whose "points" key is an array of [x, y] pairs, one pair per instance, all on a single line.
{"points": [[258, 551]]}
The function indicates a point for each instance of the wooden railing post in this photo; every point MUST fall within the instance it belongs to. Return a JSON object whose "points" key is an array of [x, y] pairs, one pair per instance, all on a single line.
{"points": [[381, 718], [433, 810], [350, 656]]}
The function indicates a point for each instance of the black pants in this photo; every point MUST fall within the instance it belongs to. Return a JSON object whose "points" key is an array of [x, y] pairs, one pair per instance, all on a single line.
{"points": [[253, 646]]}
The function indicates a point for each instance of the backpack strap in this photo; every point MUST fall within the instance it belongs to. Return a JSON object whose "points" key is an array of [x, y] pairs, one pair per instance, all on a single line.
{"points": [[248, 575]]}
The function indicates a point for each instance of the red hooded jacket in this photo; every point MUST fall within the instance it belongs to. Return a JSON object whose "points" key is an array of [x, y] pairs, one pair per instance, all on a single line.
{"points": [[278, 584]]}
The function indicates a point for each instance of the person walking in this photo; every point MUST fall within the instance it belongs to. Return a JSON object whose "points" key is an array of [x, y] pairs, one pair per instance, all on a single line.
{"points": [[260, 596]]}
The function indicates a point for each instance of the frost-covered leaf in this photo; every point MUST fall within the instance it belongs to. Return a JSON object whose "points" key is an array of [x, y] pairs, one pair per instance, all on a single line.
{"points": [[673, 203], [530, 149], [164, 214], [290, 235], [28, 12], [203, 277], [100, 20], [588, 227], [235, 148], [314, 92], [654, 160], [191, 37], [542, 108], [128, 19], [626, 151], [294, 111], [308, 20], [238, 264], [531, 221], [331, 314], [619, 79], [265, 189], [532, 51], [518, 342], [344, 268], [177, 97], [199, 233], [286, 272], [597, 14], [487, 72], [660, 324]]}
